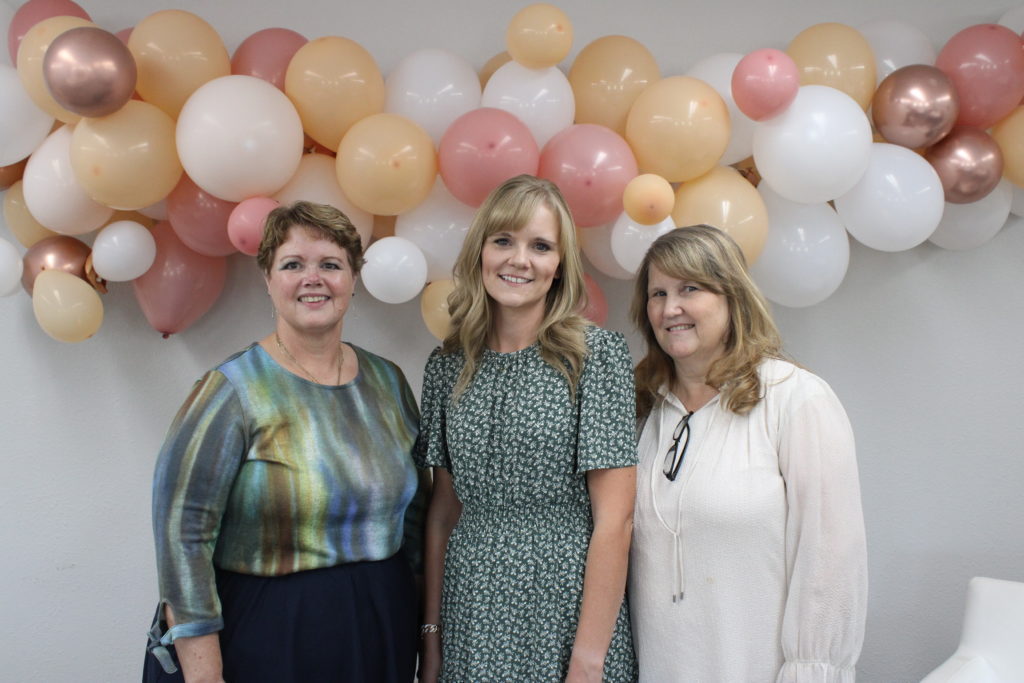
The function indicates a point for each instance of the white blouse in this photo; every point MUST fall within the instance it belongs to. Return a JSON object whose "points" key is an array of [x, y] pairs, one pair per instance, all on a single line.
{"points": [[751, 566]]}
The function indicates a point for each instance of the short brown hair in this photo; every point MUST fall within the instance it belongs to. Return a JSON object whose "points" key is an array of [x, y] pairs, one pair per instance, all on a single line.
{"points": [[321, 220]]}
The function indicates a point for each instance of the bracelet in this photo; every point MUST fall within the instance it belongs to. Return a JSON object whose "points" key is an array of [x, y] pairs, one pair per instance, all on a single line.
{"points": [[429, 628]]}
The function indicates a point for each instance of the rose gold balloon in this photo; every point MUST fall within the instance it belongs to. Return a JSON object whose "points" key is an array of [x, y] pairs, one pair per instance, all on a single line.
{"points": [[915, 106], [89, 71], [12, 173], [54, 253], [969, 163]]}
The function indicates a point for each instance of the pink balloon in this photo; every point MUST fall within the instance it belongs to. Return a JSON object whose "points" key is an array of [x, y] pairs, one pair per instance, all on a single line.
{"points": [[200, 219], [266, 54], [124, 34], [34, 11], [764, 83], [596, 310], [986, 64], [481, 150], [245, 224], [591, 165], [180, 286]]}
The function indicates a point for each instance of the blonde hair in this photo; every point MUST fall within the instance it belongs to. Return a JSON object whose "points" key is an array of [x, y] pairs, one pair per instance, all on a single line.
{"points": [[710, 258], [561, 334], [322, 220]]}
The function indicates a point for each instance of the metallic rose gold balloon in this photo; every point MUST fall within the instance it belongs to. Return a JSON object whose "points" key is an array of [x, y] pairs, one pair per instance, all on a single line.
{"points": [[969, 164], [55, 253], [89, 71], [915, 106]]}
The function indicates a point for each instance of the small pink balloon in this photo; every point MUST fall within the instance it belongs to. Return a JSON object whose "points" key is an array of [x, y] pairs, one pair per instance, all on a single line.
{"points": [[180, 286], [986, 64], [591, 165], [481, 150], [596, 310], [34, 11], [266, 54], [764, 83], [245, 224], [200, 219]]}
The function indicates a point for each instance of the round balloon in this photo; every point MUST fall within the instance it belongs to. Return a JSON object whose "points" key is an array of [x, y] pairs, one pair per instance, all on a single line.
{"points": [[395, 270], [606, 78], [630, 241], [123, 251], [493, 64], [968, 226], [726, 200], [199, 219], [20, 221], [434, 307], [316, 180], [1009, 135], [596, 245], [648, 199], [986, 64], [61, 253], [433, 88], [837, 56], [969, 163], [246, 222], [437, 226], [31, 13], [66, 307], [25, 125], [31, 56], [539, 36], [266, 54], [540, 98], [764, 83], [717, 71], [12, 173], [89, 71], [915, 106]]}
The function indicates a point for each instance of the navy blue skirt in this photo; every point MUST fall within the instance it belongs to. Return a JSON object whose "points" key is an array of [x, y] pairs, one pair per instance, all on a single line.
{"points": [[353, 622]]}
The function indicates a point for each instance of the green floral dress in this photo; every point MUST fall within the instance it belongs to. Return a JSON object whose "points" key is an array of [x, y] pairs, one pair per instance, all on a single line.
{"points": [[518, 448]]}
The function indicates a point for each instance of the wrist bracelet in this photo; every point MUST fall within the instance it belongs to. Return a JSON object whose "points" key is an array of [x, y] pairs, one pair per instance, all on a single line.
{"points": [[429, 628]]}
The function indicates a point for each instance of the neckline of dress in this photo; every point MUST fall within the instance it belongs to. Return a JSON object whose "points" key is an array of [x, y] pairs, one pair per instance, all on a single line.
{"points": [[488, 351], [345, 385]]}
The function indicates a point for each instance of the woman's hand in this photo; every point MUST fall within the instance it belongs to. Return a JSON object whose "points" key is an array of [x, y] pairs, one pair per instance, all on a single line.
{"points": [[581, 671], [430, 658]]}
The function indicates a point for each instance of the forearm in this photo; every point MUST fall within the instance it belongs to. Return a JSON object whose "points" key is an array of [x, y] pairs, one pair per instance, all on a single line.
{"points": [[199, 656]]}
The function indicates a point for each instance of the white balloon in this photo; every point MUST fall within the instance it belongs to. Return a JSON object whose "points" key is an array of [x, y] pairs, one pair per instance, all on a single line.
{"points": [[897, 44], [1013, 19], [239, 137], [541, 98], [316, 180], [23, 125], [630, 240], [596, 245], [52, 193], [897, 204], [433, 88], [716, 71], [806, 254], [1017, 206], [11, 267], [438, 227], [123, 251], [966, 226], [817, 149], [395, 270]]}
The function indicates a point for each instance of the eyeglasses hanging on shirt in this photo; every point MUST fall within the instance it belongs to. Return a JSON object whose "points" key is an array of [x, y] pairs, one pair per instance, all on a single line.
{"points": [[677, 451]]}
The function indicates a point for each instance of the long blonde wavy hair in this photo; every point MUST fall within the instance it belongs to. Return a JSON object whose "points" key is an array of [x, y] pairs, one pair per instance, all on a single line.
{"points": [[561, 335], [710, 258]]}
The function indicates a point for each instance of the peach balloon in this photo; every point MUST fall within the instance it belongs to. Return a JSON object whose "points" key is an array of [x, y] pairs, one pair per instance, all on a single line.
{"points": [[1009, 134], [434, 307], [333, 82], [838, 56], [176, 52], [386, 164], [724, 199], [493, 64], [32, 57], [606, 78], [22, 224], [678, 128], [66, 307], [648, 199], [539, 36]]}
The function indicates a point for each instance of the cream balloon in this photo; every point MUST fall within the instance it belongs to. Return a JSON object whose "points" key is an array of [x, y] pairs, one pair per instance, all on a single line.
{"points": [[20, 221], [66, 307], [433, 88], [540, 98], [31, 54], [630, 241], [539, 36], [726, 200], [648, 199]]}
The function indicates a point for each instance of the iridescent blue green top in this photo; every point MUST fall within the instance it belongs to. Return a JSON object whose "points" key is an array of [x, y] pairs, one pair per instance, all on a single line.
{"points": [[266, 473]]}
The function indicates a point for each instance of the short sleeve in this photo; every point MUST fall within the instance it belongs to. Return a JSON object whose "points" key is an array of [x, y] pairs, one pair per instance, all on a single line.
{"points": [[607, 404], [431, 449]]}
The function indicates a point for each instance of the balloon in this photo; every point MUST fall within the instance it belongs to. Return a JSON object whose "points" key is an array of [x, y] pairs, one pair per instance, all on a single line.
{"points": [[629, 241], [246, 222], [967, 226], [333, 83], [591, 165], [31, 61], [386, 164], [896, 44], [764, 83], [12, 173], [395, 270], [437, 226], [678, 128], [817, 149], [986, 64], [915, 106], [25, 125], [33, 12], [199, 219], [239, 137], [607, 76], [596, 310], [266, 54], [806, 254], [128, 159], [896, 204], [384, 226], [726, 200], [432, 88], [180, 286], [434, 307], [316, 180], [540, 98], [176, 52], [22, 224], [156, 211], [123, 251], [54, 195], [11, 268], [493, 64], [539, 36], [1009, 135], [969, 163], [89, 71], [483, 149], [67, 308], [596, 245], [648, 199], [717, 71], [838, 56], [54, 253]]}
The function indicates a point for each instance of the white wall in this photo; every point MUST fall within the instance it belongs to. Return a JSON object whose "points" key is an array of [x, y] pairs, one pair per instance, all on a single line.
{"points": [[923, 348]]}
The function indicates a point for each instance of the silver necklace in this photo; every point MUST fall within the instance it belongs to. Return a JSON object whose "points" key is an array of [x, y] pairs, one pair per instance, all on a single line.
{"points": [[293, 359]]}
